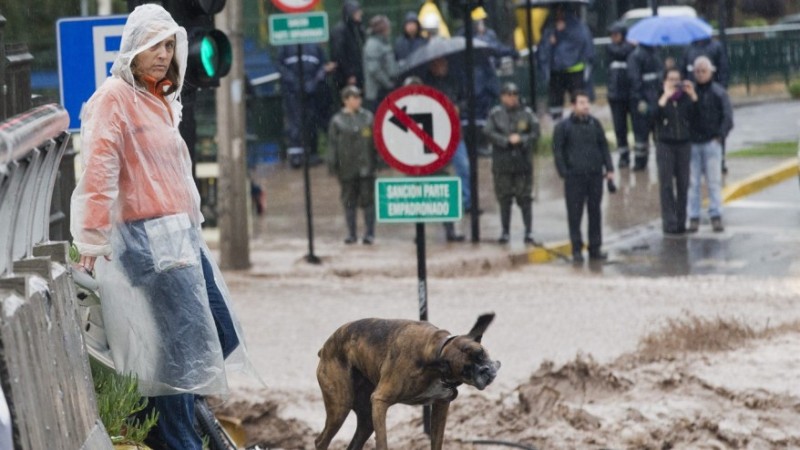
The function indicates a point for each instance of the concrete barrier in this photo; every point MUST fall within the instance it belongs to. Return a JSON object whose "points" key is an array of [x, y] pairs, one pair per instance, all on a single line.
{"points": [[44, 368]]}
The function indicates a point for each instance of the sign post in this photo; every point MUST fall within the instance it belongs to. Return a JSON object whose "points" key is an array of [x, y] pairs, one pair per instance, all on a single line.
{"points": [[417, 132], [298, 29]]}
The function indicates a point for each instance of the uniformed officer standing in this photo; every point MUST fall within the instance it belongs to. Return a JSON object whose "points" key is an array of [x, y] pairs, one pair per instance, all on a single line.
{"points": [[645, 71], [513, 130], [352, 159]]}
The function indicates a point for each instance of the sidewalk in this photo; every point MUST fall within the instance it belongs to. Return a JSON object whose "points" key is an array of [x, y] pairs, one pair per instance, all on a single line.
{"points": [[279, 241]]}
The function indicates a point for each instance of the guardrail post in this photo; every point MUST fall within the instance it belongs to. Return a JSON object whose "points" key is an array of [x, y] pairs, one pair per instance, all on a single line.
{"points": [[17, 78]]}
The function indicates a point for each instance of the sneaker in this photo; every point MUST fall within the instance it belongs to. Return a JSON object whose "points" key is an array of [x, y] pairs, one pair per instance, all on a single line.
{"points": [[529, 239], [624, 161], [368, 239], [503, 239], [694, 225], [716, 225], [577, 257], [350, 240]]}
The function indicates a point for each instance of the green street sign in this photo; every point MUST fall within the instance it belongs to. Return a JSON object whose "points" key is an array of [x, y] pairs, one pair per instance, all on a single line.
{"points": [[418, 199], [300, 28]]}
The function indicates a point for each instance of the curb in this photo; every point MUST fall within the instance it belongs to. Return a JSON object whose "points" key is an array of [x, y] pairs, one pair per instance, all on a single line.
{"points": [[748, 186]]}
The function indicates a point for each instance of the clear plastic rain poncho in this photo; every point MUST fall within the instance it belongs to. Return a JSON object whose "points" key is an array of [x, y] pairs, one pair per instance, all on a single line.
{"points": [[136, 203]]}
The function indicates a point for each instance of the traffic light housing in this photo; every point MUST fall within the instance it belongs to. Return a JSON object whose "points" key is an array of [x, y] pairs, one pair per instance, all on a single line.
{"points": [[210, 52]]}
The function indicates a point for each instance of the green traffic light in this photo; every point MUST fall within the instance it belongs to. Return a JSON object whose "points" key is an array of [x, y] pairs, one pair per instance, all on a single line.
{"points": [[209, 56]]}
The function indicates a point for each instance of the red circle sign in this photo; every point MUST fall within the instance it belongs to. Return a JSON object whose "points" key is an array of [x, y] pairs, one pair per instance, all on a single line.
{"points": [[417, 130], [295, 6]]}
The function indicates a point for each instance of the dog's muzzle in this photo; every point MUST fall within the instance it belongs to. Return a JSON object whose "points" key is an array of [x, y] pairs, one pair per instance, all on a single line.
{"points": [[485, 374]]}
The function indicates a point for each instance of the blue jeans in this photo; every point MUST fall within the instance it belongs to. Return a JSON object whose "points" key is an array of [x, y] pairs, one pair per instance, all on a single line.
{"points": [[460, 163], [176, 418], [175, 428], [706, 161]]}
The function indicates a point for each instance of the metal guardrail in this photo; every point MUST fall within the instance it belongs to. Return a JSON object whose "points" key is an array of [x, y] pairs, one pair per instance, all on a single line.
{"points": [[31, 147]]}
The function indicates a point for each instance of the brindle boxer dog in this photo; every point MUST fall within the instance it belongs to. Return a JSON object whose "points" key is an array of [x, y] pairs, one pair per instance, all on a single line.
{"points": [[370, 364]]}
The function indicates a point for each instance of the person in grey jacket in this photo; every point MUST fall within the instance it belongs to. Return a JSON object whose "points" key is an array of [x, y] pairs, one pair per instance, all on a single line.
{"points": [[352, 158], [713, 122], [512, 130], [582, 159], [380, 67]]}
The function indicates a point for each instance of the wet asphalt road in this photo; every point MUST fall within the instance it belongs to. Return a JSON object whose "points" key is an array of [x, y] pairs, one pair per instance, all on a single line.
{"points": [[761, 239]]}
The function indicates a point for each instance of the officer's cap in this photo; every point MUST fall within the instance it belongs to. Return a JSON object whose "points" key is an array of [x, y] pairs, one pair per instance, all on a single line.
{"points": [[350, 91], [509, 88]]}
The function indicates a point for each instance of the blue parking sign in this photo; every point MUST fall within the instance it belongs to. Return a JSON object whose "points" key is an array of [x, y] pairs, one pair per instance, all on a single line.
{"points": [[87, 47]]}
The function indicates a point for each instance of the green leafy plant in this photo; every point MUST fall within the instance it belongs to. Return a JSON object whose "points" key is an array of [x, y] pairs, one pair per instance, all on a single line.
{"points": [[794, 88], [117, 401]]}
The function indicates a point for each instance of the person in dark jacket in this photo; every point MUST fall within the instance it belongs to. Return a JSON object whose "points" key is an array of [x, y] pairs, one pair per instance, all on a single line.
{"points": [[512, 130], [714, 51], [352, 159], [317, 99], [645, 72], [583, 161], [676, 109], [619, 86], [713, 122], [347, 47], [565, 51], [411, 38]]}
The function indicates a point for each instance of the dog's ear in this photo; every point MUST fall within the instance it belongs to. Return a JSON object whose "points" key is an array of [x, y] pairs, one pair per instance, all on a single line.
{"points": [[480, 326]]}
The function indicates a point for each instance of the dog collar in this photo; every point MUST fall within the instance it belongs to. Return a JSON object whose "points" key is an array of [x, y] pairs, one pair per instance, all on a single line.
{"points": [[452, 384], [444, 344]]}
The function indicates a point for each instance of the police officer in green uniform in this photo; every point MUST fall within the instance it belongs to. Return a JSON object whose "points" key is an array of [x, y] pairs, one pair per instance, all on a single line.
{"points": [[513, 131], [352, 159]]}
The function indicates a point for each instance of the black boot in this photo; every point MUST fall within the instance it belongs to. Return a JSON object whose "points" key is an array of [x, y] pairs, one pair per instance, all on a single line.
{"points": [[369, 224], [350, 218], [527, 220], [450, 233], [624, 158], [505, 222], [640, 160]]}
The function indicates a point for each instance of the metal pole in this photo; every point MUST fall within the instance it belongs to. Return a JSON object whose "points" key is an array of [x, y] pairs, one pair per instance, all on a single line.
{"points": [[422, 291], [531, 59], [654, 5], [311, 257], [233, 181], [723, 23], [471, 136]]}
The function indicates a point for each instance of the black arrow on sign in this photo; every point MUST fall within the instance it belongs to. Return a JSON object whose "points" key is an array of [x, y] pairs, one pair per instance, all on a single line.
{"points": [[425, 120]]}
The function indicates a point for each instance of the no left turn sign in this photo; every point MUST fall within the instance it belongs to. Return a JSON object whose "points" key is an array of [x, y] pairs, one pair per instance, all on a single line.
{"points": [[417, 130]]}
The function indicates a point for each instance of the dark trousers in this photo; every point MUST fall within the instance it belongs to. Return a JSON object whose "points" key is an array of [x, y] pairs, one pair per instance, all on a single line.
{"points": [[620, 111], [673, 180], [584, 191], [561, 83], [642, 124]]}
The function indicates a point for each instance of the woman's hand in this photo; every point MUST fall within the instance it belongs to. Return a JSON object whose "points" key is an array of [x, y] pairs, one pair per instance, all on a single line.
{"points": [[87, 262]]}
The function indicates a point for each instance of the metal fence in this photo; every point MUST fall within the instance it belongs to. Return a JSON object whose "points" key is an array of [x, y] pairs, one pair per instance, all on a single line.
{"points": [[44, 368]]}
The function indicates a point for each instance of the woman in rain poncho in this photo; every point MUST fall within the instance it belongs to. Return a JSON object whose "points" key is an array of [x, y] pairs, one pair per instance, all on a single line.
{"points": [[136, 220]]}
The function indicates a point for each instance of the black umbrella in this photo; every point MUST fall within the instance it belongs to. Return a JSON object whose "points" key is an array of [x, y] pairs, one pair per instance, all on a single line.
{"points": [[439, 47]]}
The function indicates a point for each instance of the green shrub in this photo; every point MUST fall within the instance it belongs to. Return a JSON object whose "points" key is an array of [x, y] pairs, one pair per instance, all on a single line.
{"points": [[117, 400], [794, 89]]}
